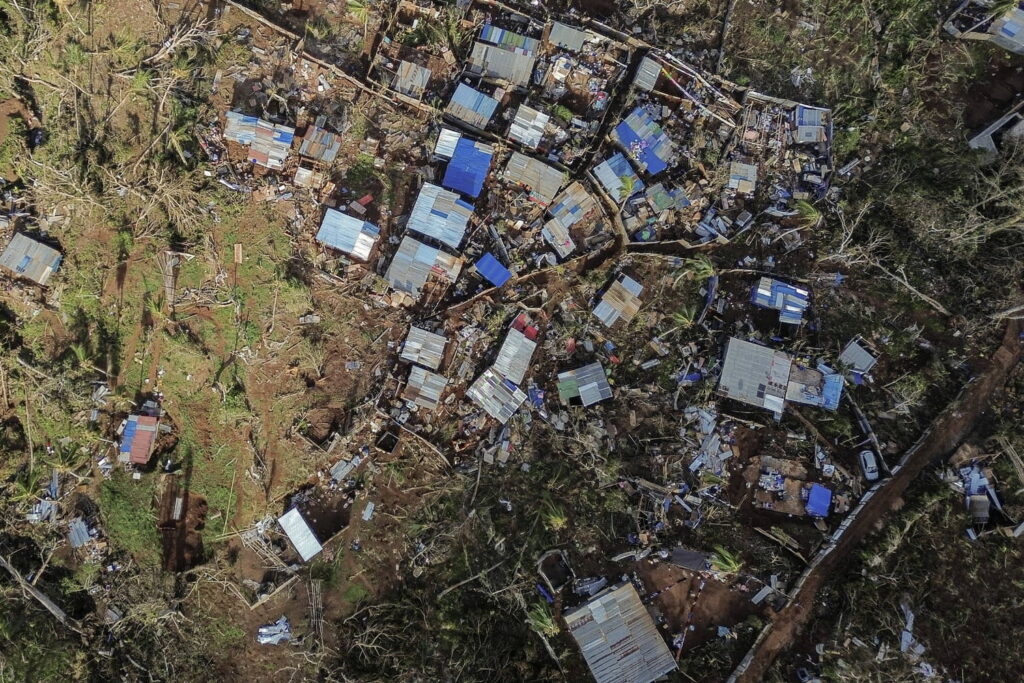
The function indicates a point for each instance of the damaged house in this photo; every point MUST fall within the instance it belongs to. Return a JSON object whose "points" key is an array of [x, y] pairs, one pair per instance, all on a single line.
{"points": [[269, 143], [620, 302], [503, 55], [763, 377], [618, 637], [415, 263], [347, 234], [30, 259]]}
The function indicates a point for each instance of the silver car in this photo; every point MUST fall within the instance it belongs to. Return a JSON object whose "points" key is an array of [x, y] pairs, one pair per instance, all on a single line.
{"points": [[869, 464]]}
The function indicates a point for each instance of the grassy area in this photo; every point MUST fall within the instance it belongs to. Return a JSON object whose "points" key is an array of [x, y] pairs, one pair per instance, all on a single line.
{"points": [[128, 517]]}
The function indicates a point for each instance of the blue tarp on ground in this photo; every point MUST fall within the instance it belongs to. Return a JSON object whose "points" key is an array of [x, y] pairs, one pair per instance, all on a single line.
{"points": [[492, 270], [819, 500], [468, 168]]}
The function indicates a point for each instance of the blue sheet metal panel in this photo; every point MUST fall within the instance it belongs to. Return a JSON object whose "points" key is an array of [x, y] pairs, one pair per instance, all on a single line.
{"points": [[645, 139], [468, 168], [832, 392], [470, 98], [492, 270], [25, 260], [128, 436], [819, 500]]}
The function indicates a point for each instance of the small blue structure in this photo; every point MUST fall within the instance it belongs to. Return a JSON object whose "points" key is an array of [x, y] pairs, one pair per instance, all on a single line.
{"points": [[492, 270], [469, 166], [789, 300], [646, 141], [819, 500], [347, 234]]}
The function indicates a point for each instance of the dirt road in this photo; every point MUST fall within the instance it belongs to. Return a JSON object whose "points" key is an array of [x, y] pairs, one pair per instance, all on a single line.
{"points": [[941, 439]]}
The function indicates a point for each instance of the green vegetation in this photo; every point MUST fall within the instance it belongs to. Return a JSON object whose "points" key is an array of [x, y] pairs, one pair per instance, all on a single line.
{"points": [[128, 518]]}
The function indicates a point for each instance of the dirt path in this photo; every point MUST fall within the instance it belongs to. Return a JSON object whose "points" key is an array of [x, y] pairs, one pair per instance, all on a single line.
{"points": [[941, 439]]}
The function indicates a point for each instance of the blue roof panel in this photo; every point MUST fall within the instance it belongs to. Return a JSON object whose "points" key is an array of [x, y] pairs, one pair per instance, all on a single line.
{"points": [[646, 141], [475, 100], [468, 168], [819, 499], [492, 270]]}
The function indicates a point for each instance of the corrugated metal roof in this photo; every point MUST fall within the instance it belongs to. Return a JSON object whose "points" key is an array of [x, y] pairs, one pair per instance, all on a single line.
{"points": [[528, 126], [440, 214], [647, 74], [572, 204], [620, 302], [497, 62], [472, 106], [138, 438], [411, 79], [30, 259], [497, 396], [557, 235], [755, 374], [661, 198], [589, 384], [1008, 30], [348, 234], [299, 533], [514, 357], [857, 357], [789, 300], [423, 347], [613, 175], [469, 167], [508, 39], [269, 143], [414, 262], [424, 388], [618, 639], [646, 141], [78, 533], [543, 180], [567, 37], [446, 141], [742, 177], [492, 270], [320, 144]]}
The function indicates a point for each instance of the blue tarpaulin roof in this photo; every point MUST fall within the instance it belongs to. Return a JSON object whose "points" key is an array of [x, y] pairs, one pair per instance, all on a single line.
{"points": [[492, 270], [819, 500], [646, 141], [468, 167]]}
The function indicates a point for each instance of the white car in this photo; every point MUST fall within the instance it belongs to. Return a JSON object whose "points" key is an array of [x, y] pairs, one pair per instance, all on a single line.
{"points": [[869, 465]]}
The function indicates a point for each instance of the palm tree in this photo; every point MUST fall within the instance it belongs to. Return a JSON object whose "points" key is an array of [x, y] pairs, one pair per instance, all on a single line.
{"points": [[555, 518], [809, 216], [25, 488], [683, 318], [67, 457], [697, 268], [540, 620], [725, 561]]}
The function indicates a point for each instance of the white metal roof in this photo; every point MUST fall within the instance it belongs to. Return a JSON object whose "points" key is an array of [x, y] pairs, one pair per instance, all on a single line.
{"points": [[299, 533]]}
